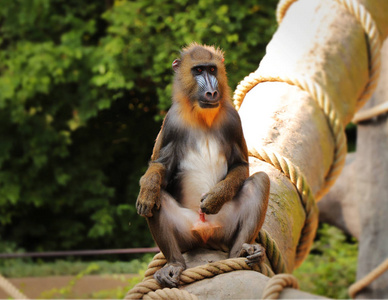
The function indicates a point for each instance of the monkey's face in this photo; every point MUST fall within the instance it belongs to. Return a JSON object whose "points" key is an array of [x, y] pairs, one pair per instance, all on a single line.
{"points": [[200, 77], [200, 84], [207, 91]]}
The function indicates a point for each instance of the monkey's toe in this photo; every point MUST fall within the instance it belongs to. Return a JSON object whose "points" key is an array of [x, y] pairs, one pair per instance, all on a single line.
{"points": [[254, 253], [169, 275]]}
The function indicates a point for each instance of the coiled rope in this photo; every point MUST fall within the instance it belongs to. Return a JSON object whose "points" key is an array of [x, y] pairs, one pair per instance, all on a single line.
{"points": [[307, 199], [149, 287], [316, 91], [328, 108], [277, 284]]}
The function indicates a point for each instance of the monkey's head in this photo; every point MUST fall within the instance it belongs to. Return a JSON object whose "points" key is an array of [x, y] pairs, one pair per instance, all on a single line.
{"points": [[200, 82]]}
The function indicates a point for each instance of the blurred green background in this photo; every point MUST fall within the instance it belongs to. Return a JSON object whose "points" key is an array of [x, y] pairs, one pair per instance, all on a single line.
{"points": [[84, 86]]}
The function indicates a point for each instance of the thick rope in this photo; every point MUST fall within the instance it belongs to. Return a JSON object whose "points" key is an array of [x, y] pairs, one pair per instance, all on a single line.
{"points": [[306, 196], [10, 289], [277, 284], [272, 252], [156, 263], [329, 110], [358, 286], [191, 275], [327, 107], [315, 90], [170, 294]]}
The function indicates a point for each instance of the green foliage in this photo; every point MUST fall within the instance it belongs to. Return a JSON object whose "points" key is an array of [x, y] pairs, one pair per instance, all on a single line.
{"points": [[331, 267], [81, 85]]}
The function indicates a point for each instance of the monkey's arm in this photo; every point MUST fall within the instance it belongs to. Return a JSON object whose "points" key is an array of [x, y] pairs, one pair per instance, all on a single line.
{"points": [[225, 190], [150, 185], [152, 181]]}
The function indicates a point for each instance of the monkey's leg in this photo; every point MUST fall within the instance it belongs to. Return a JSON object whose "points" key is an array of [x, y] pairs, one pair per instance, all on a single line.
{"points": [[244, 217], [171, 229]]}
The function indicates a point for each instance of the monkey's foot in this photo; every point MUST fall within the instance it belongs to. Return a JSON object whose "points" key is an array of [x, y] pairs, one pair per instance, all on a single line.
{"points": [[253, 252], [169, 275]]}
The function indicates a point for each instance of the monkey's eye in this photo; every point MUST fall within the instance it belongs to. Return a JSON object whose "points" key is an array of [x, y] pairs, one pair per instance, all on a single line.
{"points": [[198, 70], [212, 69]]}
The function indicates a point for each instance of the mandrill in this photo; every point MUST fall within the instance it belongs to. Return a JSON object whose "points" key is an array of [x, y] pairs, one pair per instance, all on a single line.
{"points": [[197, 190]]}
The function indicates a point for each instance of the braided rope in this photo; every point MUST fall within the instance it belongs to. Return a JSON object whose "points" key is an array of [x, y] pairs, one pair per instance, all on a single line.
{"points": [[191, 275], [305, 194], [326, 105], [156, 263], [374, 42], [272, 251], [169, 294], [277, 284]]}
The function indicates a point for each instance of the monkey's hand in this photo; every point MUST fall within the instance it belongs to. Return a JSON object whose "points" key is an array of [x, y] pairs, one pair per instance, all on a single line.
{"points": [[169, 275], [212, 202], [254, 254], [149, 197]]}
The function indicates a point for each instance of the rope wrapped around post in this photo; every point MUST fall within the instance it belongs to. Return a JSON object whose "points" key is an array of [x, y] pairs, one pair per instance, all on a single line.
{"points": [[191, 275], [306, 196], [328, 108]]}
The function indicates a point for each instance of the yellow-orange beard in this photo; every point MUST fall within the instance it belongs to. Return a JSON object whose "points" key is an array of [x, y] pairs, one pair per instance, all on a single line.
{"points": [[195, 115], [207, 115]]}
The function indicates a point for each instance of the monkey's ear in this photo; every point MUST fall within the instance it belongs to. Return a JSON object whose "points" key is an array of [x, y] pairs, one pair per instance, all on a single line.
{"points": [[175, 64]]}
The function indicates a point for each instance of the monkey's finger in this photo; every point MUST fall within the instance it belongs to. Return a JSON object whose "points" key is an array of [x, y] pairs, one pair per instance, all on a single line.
{"points": [[144, 210], [203, 208], [255, 259], [171, 281], [255, 256], [203, 197], [167, 280], [243, 252]]}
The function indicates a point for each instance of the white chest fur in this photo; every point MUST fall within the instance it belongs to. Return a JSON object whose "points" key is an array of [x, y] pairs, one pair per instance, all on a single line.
{"points": [[200, 169]]}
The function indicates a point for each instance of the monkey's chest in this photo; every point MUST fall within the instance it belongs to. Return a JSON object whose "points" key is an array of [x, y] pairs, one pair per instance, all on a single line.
{"points": [[201, 168]]}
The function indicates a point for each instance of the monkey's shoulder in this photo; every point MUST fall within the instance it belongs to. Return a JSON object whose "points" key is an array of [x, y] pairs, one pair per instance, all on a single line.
{"points": [[231, 127], [173, 128]]}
